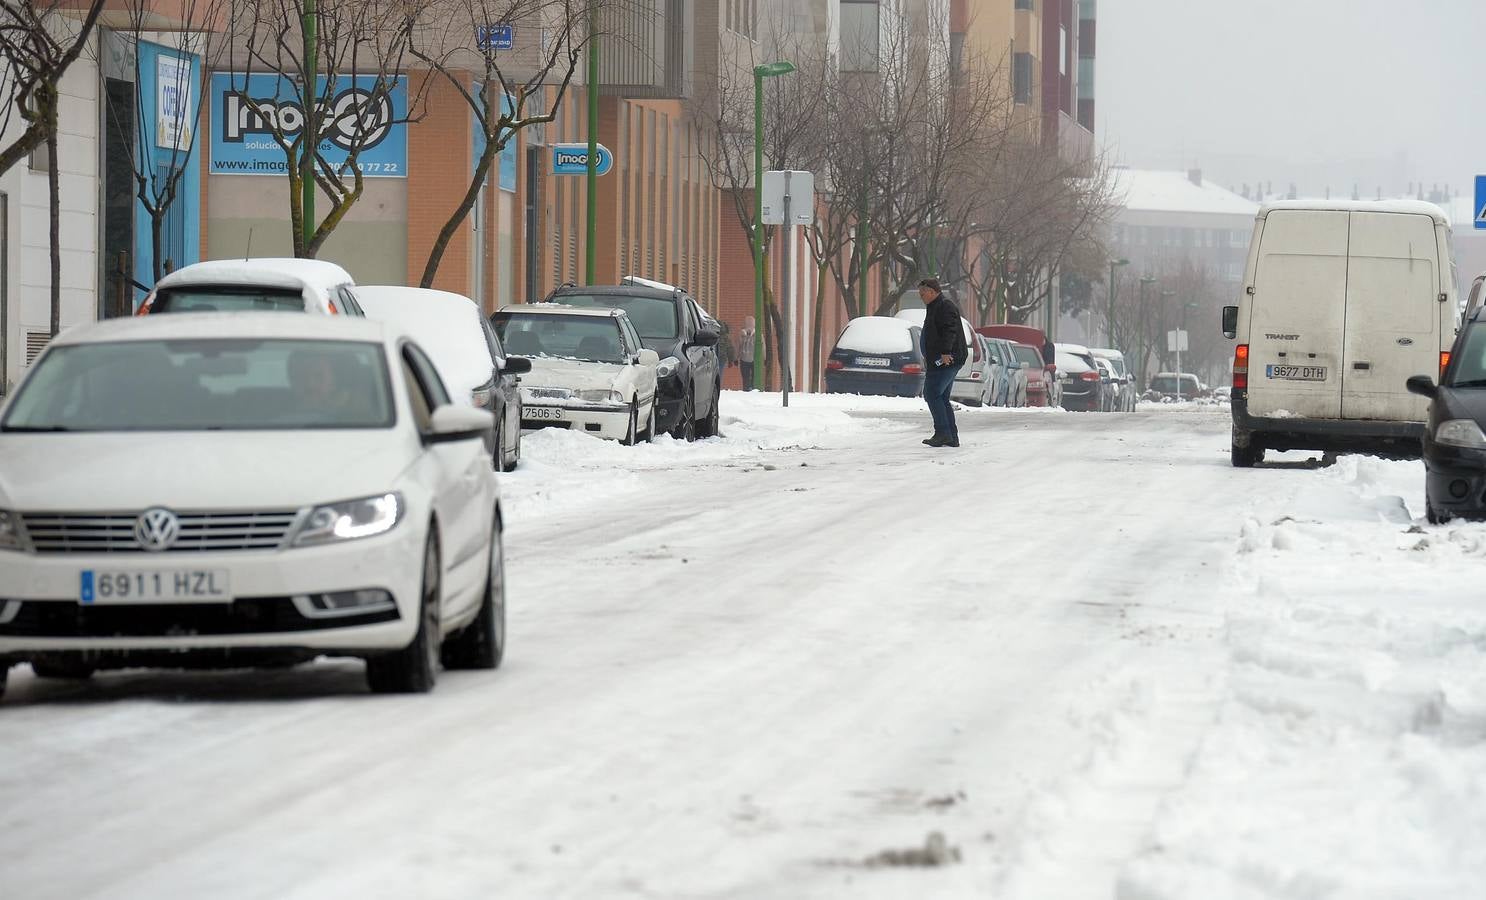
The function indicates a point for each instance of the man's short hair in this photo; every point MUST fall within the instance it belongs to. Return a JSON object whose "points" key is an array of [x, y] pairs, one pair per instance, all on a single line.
{"points": [[930, 283]]}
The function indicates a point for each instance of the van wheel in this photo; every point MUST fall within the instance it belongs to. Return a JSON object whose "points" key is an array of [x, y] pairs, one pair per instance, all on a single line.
{"points": [[1246, 457]]}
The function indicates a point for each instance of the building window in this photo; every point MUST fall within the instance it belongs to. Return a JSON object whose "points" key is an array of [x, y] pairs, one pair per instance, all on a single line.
{"points": [[1021, 77], [957, 57], [860, 35], [1063, 51], [1024, 4]]}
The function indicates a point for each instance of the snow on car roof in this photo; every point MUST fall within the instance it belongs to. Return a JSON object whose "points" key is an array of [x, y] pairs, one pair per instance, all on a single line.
{"points": [[272, 272], [877, 334], [227, 325], [1106, 353], [446, 325], [558, 309], [1072, 348], [1410, 207]]}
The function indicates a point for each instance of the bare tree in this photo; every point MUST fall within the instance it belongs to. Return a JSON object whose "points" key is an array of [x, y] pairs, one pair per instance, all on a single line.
{"points": [[505, 94], [343, 65], [39, 42], [161, 160]]}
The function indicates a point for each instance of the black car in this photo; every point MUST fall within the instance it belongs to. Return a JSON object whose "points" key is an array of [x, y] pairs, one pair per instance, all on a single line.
{"points": [[1455, 436], [672, 324], [877, 355]]}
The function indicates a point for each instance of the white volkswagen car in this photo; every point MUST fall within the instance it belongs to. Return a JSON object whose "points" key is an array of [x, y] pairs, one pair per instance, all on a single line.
{"points": [[589, 370], [240, 489]]}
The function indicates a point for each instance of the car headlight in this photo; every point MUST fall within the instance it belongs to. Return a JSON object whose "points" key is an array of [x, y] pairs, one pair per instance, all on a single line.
{"points": [[667, 367], [348, 521], [10, 530], [601, 396], [1461, 433]]}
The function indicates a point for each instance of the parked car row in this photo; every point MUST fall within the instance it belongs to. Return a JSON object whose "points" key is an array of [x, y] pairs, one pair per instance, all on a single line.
{"points": [[340, 496]]}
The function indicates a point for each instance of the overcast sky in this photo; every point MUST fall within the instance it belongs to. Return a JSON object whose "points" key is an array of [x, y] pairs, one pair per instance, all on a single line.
{"points": [[1308, 90]]}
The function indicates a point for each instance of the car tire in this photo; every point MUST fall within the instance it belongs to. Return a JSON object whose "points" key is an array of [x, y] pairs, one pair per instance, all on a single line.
{"points": [[686, 429], [415, 668], [482, 643], [62, 667], [632, 436], [712, 425], [4, 675], [650, 430], [1433, 516], [515, 460]]}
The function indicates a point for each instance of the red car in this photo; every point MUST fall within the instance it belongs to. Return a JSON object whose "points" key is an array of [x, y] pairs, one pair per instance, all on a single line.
{"points": [[1042, 386]]}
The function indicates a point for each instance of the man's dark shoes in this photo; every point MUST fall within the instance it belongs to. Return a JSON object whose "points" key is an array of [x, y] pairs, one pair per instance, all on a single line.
{"points": [[938, 440], [952, 442]]}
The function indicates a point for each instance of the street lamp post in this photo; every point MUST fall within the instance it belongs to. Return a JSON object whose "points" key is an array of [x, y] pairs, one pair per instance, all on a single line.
{"points": [[768, 70], [1110, 295]]}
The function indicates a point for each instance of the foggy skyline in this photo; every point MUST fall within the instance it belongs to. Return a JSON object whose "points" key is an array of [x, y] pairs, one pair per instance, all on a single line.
{"points": [[1323, 92]]}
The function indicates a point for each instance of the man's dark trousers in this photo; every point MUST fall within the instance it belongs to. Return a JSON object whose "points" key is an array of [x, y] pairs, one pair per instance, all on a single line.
{"points": [[938, 382], [747, 368]]}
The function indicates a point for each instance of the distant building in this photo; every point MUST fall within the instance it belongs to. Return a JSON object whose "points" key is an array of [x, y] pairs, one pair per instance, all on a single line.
{"points": [[1167, 217]]}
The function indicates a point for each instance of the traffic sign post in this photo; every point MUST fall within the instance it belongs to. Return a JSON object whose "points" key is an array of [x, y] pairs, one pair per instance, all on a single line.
{"points": [[788, 200], [1176, 341], [1480, 206]]}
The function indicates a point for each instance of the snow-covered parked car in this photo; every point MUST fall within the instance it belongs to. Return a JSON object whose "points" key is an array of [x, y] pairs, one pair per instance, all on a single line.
{"points": [[255, 285], [876, 355], [589, 370], [975, 383], [465, 350], [318, 493]]}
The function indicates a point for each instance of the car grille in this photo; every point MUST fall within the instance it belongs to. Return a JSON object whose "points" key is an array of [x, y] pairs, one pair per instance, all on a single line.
{"points": [[114, 532]]}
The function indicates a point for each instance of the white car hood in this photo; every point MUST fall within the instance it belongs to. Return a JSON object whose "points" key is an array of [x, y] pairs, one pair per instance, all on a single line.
{"points": [[573, 374], [245, 470]]}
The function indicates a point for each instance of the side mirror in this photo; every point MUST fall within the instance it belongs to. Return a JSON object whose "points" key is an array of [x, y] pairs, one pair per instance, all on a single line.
{"points": [[1422, 385], [516, 365], [1230, 322], [705, 338], [451, 423], [647, 358]]}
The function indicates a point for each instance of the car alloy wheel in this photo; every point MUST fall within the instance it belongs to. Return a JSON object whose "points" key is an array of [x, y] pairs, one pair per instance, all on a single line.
{"points": [[651, 428], [632, 436], [414, 668], [482, 643], [686, 429], [712, 425]]}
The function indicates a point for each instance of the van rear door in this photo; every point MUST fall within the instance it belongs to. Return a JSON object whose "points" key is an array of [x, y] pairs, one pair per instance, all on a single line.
{"points": [[1393, 315], [1298, 315]]}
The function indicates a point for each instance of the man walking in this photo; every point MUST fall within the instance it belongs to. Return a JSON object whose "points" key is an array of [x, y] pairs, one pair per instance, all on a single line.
{"points": [[945, 351], [745, 352]]}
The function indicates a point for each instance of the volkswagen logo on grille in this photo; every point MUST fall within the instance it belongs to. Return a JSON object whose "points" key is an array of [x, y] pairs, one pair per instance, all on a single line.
{"points": [[156, 529]]}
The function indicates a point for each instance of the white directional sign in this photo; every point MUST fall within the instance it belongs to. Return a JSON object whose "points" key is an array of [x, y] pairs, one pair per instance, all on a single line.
{"points": [[792, 193], [1176, 342]]}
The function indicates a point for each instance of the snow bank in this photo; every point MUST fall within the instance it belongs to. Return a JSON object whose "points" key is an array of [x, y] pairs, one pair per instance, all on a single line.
{"points": [[1348, 759]]}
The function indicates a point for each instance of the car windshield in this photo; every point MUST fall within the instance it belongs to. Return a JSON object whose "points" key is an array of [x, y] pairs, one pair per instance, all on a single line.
{"points": [[591, 338], [228, 299], [1166, 384], [1028, 356], [205, 385], [1470, 367], [653, 317]]}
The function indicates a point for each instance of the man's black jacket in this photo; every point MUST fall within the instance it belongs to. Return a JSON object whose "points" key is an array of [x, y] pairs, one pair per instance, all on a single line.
{"points": [[943, 333]]}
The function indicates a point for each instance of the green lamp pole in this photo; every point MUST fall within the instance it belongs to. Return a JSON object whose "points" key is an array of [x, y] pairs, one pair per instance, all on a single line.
{"points": [[591, 224], [310, 138], [768, 70]]}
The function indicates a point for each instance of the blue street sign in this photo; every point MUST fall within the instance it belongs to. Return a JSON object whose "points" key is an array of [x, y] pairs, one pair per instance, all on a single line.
{"points": [[572, 159], [495, 37], [1480, 206]]}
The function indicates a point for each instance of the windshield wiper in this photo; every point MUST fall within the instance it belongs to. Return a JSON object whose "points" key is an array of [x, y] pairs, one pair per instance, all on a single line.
{"points": [[33, 429]]}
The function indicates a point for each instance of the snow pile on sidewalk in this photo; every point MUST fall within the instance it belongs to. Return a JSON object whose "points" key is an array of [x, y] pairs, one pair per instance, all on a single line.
{"points": [[564, 469], [1349, 757]]}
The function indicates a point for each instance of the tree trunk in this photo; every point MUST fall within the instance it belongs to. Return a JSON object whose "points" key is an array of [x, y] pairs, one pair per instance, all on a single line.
{"points": [[54, 210], [820, 301], [461, 212]]}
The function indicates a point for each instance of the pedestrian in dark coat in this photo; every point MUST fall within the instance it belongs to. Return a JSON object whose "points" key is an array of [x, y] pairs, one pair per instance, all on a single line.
{"points": [[945, 351]]}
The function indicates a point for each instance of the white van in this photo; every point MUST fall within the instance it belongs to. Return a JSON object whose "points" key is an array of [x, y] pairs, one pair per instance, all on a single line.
{"points": [[1342, 303]]}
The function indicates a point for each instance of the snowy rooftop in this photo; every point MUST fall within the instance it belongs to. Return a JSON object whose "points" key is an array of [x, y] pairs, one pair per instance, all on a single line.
{"points": [[1149, 190]]}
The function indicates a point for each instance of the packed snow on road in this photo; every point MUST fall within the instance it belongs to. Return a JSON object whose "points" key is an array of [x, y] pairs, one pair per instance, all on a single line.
{"points": [[1079, 657]]}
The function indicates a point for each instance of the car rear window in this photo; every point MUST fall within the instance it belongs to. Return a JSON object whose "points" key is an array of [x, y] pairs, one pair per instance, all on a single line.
{"points": [[227, 299], [1029, 356], [206, 385], [653, 317], [876, 334]]}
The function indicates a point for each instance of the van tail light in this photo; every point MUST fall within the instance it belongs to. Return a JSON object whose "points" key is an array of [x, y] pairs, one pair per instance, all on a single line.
{"points": [[1241, 366], [1089, 376], [913, 369], [1444, 361], [835, 364]]}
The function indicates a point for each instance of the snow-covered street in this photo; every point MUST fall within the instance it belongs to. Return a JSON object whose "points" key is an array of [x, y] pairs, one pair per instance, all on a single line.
{"points": [[1079, 657]]}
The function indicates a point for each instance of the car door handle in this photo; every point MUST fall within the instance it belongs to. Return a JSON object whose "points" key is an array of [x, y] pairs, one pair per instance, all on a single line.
{"points": [[1362, 366]]}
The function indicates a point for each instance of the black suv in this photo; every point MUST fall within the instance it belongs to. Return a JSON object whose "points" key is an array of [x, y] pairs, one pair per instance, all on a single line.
{"points": [[672, 324], [1454, 444]]}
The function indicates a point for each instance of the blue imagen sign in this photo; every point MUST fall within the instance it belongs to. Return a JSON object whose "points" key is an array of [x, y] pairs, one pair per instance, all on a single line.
{"points": [[242, 131], [572, 159], [1480, 206]]}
